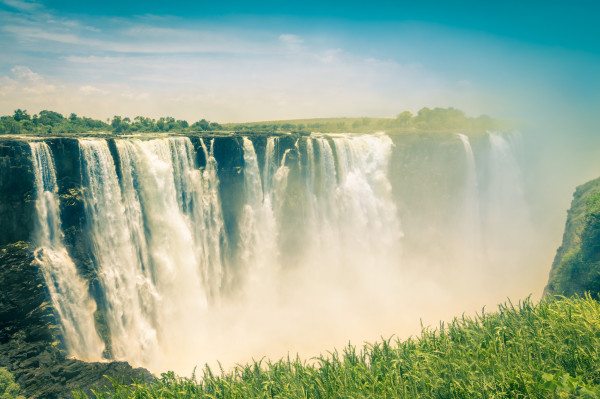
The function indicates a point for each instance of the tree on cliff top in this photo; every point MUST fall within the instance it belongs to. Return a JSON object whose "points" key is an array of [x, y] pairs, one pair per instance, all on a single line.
{"points": [[21, 114]]}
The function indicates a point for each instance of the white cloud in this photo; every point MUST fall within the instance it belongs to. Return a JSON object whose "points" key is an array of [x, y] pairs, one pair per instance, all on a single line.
{"points": [[32, 33], [24, 80], [155, 66], [92, 90], [289, 38], [27, 6], [7, 86], [92, 59], [329, 56]]}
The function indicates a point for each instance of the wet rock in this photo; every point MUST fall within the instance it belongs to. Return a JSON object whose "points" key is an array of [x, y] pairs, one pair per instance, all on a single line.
{"points": [[30, 343]]}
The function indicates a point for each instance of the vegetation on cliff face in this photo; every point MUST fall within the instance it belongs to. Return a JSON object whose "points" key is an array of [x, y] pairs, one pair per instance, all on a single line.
{"points": [[576, 267], [537, 351], [9, 389]]}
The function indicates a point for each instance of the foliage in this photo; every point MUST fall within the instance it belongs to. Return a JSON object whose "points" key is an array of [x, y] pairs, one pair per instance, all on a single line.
{"points": [[576, 268], [50, 122], [548, 350], [9, 389], [437, 119]]}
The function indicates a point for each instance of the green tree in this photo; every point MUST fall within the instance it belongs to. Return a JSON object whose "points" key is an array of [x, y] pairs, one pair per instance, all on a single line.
{"points": [[20, 115], [9, 126], [441, 118], [9, 389], [201, 125], [49, 118], [404, 119], [119, 125]]}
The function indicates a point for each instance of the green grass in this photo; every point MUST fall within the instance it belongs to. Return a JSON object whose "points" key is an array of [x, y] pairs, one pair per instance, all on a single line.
{"points": [[545, 350]]}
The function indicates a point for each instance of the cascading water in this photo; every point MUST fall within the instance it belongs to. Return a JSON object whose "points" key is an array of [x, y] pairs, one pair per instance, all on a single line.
{"points": [[68, 291], [364, 195], [199, 201], [505, 196], [133, 332], [323, 199], [158, 234], [258, 239], [471, 217], [316, 244]]}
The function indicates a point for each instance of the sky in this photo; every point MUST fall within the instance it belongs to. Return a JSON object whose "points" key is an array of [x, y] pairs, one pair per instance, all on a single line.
{"points": [[534, 62], [235, 61]]}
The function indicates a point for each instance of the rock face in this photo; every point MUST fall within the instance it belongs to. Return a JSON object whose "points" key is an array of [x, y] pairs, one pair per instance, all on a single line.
{"points": [[428, 181], [576, 267], [16, 191], [29, 345]]}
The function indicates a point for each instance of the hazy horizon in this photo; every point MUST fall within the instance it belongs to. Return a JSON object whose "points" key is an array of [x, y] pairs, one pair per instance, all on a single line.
{"points": [[235, 62], [243, 62]]}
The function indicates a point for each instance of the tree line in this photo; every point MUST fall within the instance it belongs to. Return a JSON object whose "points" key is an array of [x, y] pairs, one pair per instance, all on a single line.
{"points": [[45, 122], [426, 119]]}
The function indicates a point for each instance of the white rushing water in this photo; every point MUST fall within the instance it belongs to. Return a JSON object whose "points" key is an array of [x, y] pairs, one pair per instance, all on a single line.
{"points": [[505, 201], [258, 235], [68, 291], [125, 283], [314, 259], [471, 214], [351, 213], [158, 234], [367, 215]]}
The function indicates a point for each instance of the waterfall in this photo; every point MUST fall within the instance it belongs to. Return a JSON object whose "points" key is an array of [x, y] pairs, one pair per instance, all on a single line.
{"points": [[505, 174], [367, 215], [324, 200], [270, 165], [199, 200], [257, 223], [158, 235], [316, 233], [470, 215], [68, 291], [118, 261], [346, 212], [507, 212]]}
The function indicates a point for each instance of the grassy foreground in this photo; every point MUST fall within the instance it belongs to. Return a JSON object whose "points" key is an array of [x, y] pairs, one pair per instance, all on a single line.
{"points": [[545, 350]]}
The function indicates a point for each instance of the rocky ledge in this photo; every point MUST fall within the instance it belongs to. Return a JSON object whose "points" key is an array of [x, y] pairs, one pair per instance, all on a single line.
{"points": [[30, 345]]}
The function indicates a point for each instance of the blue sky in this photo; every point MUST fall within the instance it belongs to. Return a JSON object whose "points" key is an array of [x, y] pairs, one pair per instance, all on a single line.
{"points": [[243, 61]]}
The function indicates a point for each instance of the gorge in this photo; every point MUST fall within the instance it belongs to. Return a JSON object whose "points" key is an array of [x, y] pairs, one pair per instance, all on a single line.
{"points": [[169, 252]]}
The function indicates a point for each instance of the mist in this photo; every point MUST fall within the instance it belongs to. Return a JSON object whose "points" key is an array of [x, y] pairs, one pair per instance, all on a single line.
{"points": [[316, 242], [334, 238]]}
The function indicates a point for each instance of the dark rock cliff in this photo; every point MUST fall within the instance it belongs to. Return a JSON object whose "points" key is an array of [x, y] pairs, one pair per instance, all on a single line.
{"points": [[30, 342], [16, 191]]}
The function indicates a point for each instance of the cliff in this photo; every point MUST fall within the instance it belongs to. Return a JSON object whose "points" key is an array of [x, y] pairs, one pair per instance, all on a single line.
{"points": [[31, 345], [576, 267], [431, 182]]}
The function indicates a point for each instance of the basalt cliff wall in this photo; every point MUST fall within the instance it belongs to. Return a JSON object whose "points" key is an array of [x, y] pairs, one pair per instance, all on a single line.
{"points": [[427, 172]]}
